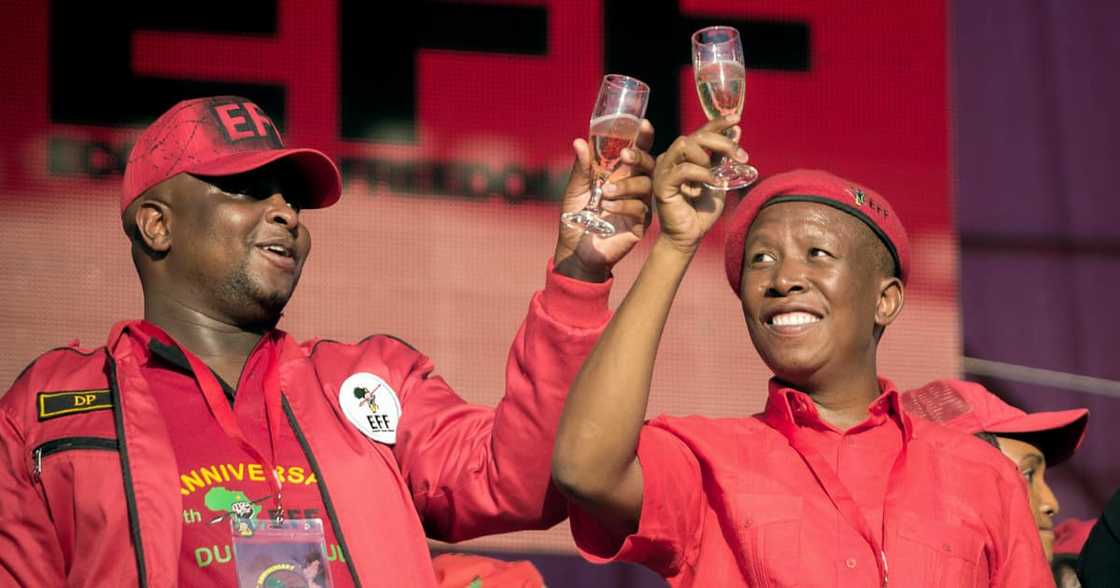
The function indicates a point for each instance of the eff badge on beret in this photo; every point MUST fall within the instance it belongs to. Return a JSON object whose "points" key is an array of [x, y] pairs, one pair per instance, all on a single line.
{"points": [[371, 405]]}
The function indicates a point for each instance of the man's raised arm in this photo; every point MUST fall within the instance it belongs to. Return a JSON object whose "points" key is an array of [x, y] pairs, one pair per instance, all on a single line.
{"points": [[474, 470]]}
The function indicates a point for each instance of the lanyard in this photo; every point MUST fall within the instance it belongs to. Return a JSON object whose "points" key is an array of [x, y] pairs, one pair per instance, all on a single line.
{"points": [[220, 407], [838, 493]]}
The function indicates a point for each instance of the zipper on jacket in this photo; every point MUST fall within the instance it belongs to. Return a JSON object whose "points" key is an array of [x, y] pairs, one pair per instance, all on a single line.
{"points": [[328, 505], [126, 471], [67, 444]]}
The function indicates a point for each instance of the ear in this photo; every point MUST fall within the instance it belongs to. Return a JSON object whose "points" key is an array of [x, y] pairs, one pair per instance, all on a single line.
{"points": [[892, 295], [153, 224]]}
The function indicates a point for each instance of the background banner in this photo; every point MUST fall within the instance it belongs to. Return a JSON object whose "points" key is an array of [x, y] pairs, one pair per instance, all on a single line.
{"points": [[452, 123]]}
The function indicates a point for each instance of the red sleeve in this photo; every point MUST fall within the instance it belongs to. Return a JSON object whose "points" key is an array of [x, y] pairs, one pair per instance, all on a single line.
{"points": [[1023, 562], [672, 517], [30, 554], [475, 470]]}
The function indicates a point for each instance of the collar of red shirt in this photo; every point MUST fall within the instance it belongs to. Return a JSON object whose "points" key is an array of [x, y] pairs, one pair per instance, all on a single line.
{"points": [[145, 333], [787, 409], [151, 342]]}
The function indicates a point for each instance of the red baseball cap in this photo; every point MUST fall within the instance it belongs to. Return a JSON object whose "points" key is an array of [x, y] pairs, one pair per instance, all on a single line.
{"points": [[1070, 535], [821, 187], [221, 136], [971, 408]]}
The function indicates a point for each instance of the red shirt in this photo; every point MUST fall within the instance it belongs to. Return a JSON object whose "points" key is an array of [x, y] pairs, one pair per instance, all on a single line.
{"points": [[731, 502], [214, 470]]}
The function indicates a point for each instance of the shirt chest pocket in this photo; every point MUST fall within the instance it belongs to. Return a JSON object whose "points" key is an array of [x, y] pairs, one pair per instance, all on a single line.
{"points": [[945, 555], [768, 527]]}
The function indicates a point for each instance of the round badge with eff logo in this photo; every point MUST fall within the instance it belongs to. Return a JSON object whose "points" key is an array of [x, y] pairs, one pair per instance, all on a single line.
{"points": [[371, 405]]}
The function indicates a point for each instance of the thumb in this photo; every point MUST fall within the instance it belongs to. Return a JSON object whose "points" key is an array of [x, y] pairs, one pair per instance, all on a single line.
{"points": [[579, 180], [582, 165]]}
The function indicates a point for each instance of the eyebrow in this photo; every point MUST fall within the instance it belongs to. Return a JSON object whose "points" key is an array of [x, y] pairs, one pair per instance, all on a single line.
{"points": [[1034, 459]]}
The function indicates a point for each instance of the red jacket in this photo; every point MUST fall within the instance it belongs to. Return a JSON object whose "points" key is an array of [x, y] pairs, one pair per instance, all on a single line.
{"points": [[92, 498]]}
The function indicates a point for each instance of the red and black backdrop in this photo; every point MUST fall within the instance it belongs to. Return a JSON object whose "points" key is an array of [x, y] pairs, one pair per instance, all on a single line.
{"points": [[452, 123]]}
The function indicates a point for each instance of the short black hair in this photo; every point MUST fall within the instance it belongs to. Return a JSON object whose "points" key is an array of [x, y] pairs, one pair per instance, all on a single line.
{"points": [[988, 438], [882, 262]]}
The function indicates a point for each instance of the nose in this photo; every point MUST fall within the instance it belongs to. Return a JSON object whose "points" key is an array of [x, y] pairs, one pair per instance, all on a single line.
{"points": [[281, 211], [1048, 502], [788, 277]]}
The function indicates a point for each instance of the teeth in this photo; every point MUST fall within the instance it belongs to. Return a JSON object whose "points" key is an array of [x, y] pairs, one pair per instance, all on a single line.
{"points": [[791, 319], [277, 250]]}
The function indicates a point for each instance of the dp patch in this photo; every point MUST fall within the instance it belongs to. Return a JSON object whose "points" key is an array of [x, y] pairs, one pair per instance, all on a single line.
{"points": [[56, 404]]}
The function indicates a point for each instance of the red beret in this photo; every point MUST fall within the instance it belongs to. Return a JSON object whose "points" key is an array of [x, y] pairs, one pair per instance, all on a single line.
{"points": [[810, 185]]}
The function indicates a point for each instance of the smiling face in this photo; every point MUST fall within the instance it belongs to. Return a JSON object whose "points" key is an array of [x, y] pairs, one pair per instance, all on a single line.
{"points": [[1044, 505], [815, 292], [234, 246]]}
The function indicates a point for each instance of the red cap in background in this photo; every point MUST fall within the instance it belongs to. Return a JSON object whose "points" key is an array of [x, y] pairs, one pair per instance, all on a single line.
{"points": [[1070, 535], [971, 408], [461, 570]]}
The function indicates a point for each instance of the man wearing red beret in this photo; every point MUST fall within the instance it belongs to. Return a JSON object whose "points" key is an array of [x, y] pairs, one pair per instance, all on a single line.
{"points": [[834, 484], [201, 446]]}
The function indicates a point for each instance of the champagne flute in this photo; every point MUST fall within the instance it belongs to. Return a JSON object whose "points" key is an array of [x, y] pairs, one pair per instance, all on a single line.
{"points": [[615, 121], [721, 73]]}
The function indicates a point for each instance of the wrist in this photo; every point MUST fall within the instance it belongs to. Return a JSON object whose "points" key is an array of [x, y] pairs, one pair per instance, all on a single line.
{"points": [[668, 246], [572, 266]]}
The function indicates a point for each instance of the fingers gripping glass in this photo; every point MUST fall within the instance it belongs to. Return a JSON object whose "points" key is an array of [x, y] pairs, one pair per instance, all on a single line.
{"points": [[721, 74], [614, 127]]}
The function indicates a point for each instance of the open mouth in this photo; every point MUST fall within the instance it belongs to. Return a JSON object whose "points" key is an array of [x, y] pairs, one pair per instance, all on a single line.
{"points": [[793, 319], [278, 250], [282, 256]]}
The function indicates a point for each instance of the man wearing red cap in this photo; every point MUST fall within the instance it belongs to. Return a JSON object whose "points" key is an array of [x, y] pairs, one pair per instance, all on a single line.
{"points": [[1033, 442], [833, 484], [170, 455]]}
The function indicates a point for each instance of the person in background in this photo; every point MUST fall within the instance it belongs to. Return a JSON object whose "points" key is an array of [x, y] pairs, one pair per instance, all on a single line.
{"points": [[1033, 441], [1099, 563]]}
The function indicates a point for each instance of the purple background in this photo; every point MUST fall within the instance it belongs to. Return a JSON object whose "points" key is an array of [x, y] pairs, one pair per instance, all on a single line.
{"points": [[1036, 139]]}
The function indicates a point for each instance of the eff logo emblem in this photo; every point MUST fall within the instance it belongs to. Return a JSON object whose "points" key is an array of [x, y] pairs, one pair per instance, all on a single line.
{"points": [[857, 194], [371, 406]]}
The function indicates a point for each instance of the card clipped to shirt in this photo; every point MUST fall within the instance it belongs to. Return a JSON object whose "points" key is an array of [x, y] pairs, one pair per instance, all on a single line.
{"points": [[286, 554]]}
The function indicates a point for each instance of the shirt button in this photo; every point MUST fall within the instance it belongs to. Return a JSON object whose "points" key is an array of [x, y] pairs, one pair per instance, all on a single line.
{"points": [[851, 563]]}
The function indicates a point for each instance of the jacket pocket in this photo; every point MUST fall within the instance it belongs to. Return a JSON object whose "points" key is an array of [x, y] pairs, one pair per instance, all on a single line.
{"points": [[80, 481], [769, 528], [68, 444]]}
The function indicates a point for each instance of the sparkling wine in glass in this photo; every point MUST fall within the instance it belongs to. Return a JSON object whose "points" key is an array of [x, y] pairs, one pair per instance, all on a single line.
{"points": [[615, 121], [721, 82]]}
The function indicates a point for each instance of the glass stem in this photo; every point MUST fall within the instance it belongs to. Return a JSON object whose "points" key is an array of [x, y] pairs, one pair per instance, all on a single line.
{"points": [[596, 192], [723, 159]]}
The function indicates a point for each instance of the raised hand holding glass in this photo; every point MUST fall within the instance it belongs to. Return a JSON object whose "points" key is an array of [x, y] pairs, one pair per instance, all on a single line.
{"points": [[721, 74], [615, 122]]}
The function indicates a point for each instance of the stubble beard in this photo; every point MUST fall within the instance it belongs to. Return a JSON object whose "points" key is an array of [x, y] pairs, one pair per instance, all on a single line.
{"points": [[259, 306]]}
